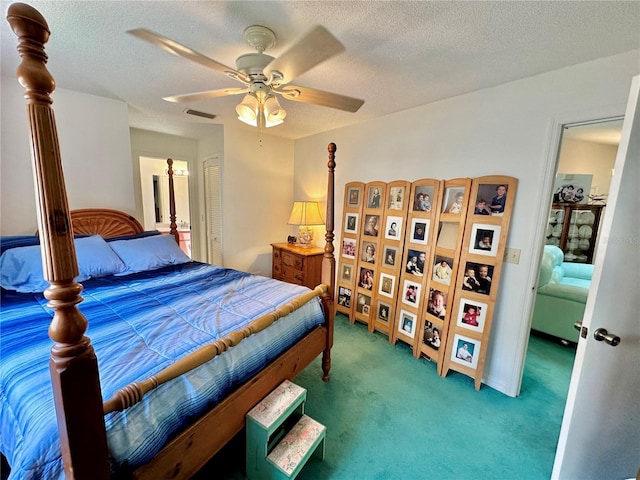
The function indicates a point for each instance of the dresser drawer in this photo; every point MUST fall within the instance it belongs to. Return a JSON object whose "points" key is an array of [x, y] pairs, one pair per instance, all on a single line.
{"points": [[292, 275], [292, 261]]}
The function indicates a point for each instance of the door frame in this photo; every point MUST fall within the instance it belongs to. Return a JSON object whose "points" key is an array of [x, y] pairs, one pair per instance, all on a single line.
{"points": [[548, 173]]}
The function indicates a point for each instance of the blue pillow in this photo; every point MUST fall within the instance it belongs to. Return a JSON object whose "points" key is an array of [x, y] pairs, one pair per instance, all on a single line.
{"points": [[14, 241], [21, 267], [149, 253]]}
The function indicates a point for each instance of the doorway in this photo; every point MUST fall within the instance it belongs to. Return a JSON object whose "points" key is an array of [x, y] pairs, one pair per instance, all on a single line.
{"points": [[154, 184], [584, 170]]}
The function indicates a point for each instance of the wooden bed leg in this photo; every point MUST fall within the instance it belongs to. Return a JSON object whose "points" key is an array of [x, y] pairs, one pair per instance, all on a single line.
{"points": [[73, 364]]}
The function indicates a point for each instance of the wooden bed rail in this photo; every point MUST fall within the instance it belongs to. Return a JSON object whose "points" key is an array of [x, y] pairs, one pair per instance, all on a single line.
{"points": [[134, 392], [73, 364]]}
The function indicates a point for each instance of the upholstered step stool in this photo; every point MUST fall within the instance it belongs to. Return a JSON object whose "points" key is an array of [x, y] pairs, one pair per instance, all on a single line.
{"points": [[280, 437]]}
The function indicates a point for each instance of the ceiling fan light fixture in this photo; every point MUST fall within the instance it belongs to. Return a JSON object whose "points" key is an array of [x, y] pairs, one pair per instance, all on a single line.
{"points": [[248, 110], [274, 113]]}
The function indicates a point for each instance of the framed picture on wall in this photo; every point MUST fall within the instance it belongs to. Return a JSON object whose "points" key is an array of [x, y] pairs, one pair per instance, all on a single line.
{"points": [[572, 188], [484, 239], [415, 264], [396, 198], [374, 197], [386, 285], [384, 311], [351, 223], [371, 225], [442, 269], [472, 314], [353, 196], [390, 255], [411, 293], [422, 199], [477, 278], [437, 305], [420, 230], [407, 323], [491, 199], [363, 301], [346, 273], [431, 335], [393, 227], [453, 200], [344, 297], [349, 248], [465, 351], [368, 252]]}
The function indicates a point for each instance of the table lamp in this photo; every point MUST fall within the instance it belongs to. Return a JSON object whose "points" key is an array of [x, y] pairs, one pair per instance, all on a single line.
{"points": [[305, 214]]}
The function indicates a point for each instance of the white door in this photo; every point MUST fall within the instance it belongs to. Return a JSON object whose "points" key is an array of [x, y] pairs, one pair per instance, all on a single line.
{"points": [[600, 434], [213, 209]]}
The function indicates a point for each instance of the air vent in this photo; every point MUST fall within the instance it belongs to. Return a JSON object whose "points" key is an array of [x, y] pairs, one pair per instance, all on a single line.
{"points": [[197, 113]]}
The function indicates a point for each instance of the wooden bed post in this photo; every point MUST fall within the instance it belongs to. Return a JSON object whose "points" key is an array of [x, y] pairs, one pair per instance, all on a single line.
{"points": [[173, 226], [329, 263], [73, 364]]}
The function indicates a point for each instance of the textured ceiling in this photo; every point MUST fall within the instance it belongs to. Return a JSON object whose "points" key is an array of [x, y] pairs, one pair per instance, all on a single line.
{"points": [[398, 54]]}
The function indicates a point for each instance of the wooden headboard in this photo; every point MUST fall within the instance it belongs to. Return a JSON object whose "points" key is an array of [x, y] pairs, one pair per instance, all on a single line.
{"points": [[104, 222]]}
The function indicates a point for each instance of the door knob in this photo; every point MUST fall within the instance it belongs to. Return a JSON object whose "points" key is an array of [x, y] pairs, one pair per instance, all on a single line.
{"points": [[601, 334]]}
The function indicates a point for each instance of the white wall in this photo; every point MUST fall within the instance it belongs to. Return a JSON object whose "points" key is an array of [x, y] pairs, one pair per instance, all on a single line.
{"points": [[505, 130], [257, 197], [94, 142]]}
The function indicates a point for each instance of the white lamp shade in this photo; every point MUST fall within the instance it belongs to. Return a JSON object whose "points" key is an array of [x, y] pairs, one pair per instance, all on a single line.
{"points": [[306, 213], [273, 112], [248, 110]]}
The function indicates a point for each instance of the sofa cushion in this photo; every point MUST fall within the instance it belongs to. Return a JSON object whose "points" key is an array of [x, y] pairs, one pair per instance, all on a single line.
{"points": [[566, 292], [582, 271]]}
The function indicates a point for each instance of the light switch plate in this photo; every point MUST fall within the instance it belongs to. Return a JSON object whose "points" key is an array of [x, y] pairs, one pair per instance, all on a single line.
{"points": [[512, 255]]}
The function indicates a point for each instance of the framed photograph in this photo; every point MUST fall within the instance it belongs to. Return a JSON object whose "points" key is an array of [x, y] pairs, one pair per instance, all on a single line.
{"points": [[384, 311], [484, 239], [353, 196], [420, 230], [368, 252], [371, 226], [437, 305], [374, 197], [349, 248], [407, 323], [363, 300], [472, 314], [344, 297], [366, 278], [386, 285], [365, 309], [351, 223], [453, 200], [346, 272], [572, 188], [411, 293], [393, 228], [422, 199], [477, 278], [491, 199], [390, 255], [442, 269], [396, 198], [465, 351], [415, 262], [431, 335]]}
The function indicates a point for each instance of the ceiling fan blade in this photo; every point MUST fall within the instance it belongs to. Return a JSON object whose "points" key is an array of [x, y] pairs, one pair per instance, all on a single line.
{"points": [[192, 97], [180, 50], [315, 47], [318, 97]]}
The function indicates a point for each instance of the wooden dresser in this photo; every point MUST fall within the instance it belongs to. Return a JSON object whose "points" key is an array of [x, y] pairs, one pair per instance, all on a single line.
{"points": [[294, 264]]}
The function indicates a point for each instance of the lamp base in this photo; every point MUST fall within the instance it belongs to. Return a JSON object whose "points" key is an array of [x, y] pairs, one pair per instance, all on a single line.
{"points": [[305, 237]]}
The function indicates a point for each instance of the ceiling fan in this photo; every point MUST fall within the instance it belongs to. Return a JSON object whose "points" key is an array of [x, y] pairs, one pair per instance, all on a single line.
{"points": [[264, 76]]}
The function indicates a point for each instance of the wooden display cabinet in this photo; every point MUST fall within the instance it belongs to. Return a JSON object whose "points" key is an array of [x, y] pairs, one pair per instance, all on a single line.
{"points": [[574, 229]]}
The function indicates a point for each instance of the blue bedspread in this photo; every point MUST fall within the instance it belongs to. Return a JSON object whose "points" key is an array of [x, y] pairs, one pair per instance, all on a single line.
{"points": [[139, 324]]}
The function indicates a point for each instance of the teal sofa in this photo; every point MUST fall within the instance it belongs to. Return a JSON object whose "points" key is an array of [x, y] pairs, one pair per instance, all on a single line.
{"points": [[561, 295]]}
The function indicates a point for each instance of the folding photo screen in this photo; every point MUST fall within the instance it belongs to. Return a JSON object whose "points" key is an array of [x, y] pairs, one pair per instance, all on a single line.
{"points": [[421, 261]]}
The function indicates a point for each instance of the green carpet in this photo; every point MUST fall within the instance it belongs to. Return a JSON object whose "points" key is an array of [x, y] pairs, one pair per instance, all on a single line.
{"points": [[390, 416]]}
